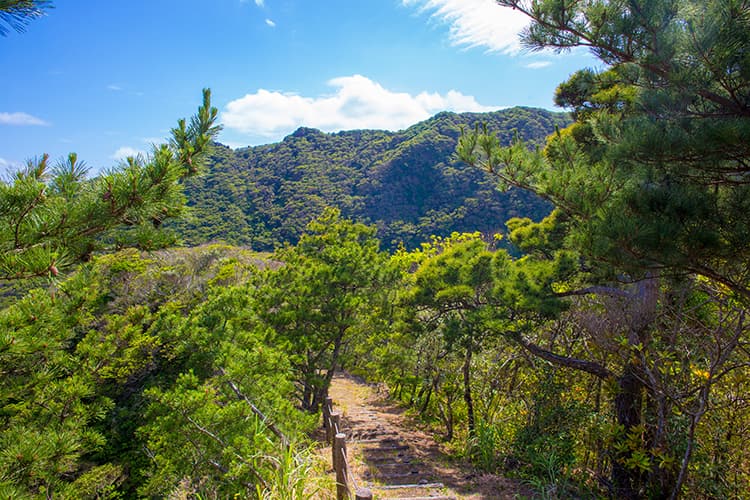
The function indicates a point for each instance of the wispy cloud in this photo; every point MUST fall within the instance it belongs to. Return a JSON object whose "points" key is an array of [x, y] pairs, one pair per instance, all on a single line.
{"points": [[537, 64], [10, 164], [477, 23], [125, 151], [113, 87], [270, 23], [19, 118], [154, 141], [260, 3], [357, 103]]}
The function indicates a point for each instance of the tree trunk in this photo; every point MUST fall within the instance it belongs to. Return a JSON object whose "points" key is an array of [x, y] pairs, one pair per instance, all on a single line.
{"points": [[308, 389], [307, 394], [413, 392], [420, 394], [628, 482], [467, 390], [449, 422], [446, 415], [426, 401], [661, 479], [321, 392]]}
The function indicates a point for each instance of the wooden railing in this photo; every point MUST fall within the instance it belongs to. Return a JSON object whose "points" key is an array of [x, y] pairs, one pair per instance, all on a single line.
{"points": [[346, 483]]}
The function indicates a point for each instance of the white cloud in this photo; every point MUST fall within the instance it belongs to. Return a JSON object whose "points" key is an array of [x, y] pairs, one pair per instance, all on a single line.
{"points": [[538, 64], [477, 23], [114, 87], [126, 151], [260, 3], [357, 103], [270, 23], [234, 144], [19, 118]]}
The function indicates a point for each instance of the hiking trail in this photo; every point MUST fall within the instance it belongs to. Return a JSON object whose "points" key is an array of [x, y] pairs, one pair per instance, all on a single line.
{"points": [[395, 459]]}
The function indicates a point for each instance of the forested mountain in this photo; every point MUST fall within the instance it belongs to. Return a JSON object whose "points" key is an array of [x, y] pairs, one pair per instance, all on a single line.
{"points": [[407, 183]]}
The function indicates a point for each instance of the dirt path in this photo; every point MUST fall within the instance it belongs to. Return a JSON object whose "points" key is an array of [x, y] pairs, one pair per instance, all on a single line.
{"points": [[395, 459]]}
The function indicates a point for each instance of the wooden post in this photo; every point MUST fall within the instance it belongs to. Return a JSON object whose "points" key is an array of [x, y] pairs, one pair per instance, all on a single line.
{"points": [[335, 425], [339, 448], [363, 494], [335, 419], [336, 422], [327, 420], [327, 411]]}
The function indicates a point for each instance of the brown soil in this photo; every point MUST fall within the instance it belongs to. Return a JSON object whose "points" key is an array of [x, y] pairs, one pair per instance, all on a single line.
{"points": [[389, 451]]}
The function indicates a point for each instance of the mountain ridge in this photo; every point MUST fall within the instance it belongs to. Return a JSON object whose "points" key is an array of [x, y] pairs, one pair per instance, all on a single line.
{"points": [[407, 183]]}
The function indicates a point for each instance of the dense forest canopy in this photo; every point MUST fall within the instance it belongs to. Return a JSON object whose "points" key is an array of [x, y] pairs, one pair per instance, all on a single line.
{"points": [[408, 183]]}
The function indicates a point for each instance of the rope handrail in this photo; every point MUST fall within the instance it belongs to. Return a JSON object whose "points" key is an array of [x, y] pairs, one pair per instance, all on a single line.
{"points": [[347, 487], [330, 422], [349, 473]]}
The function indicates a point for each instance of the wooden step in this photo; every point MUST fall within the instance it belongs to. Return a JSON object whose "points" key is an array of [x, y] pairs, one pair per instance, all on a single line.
{"points": [[411, 474], [411, 465], [371, 440], [388, 448], [376, 432], [383, 455], [441, 497], [407, 486], [404, 459]]}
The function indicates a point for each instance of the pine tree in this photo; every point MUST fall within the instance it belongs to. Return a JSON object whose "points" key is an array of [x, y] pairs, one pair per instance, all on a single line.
{"points": [[651, 179], [54, 217], [655, 168], [328, 284], [15, 14]]}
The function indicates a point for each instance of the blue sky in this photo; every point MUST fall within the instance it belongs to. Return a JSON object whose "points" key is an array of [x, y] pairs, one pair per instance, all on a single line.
{"points": [[106, 79]]}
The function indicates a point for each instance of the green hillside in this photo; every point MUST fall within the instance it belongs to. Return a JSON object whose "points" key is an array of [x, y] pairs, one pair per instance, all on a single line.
{"points": [[407, 183]]}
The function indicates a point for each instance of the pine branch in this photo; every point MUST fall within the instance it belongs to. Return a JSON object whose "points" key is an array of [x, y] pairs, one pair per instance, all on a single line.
{"points": [[16, 14], [578, 364]]}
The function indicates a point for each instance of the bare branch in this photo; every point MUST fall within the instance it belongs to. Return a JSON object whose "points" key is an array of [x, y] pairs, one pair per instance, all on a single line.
{"points": [[578, 364], [271, 426], [597, 290]]}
